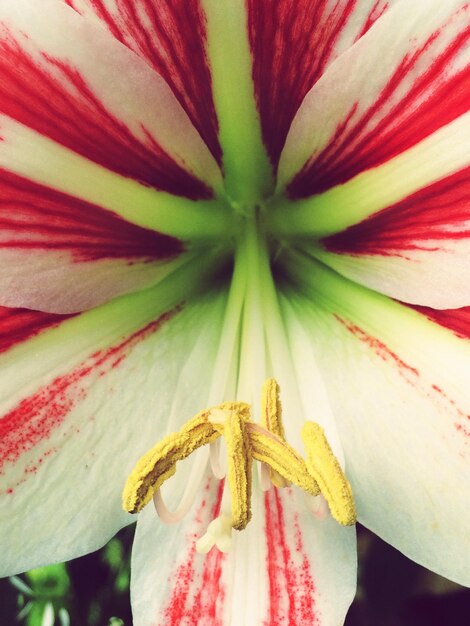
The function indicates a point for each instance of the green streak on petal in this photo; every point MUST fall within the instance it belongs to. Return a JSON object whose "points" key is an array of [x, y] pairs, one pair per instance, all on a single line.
{"points": [[57, 167], [248, 173], [382, 317], [328, 289], [439, 155], [103, 326]]}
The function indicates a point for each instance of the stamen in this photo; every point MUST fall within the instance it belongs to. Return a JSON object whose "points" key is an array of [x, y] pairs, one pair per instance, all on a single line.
{"points": [[271, 408], [217, 416], [214, 459], [191, 489], [239, 469], [245, 441], [159, 464], [282, 458], [271, 419], [318, 505], [264, 475], [324, 467]]}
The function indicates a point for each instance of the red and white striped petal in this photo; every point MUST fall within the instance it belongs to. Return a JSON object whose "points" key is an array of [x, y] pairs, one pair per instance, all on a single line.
{"points": [[417, 250], [70, 81], [286, 567], [33, 156], [61, 254], [81, 399], [398, 383], [404, 80], [292, 45], [170, 35], [18, 325]]}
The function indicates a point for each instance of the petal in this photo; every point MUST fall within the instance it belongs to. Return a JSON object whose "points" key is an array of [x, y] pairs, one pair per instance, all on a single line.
{"points": [[398, 384], [17, 325], [170, 35], [442, 154], [456, 320], [35, 157], [292, 43], [80, 402], [61, 254], [285, 567], [58, 75], [417, 250], [404, 80]]}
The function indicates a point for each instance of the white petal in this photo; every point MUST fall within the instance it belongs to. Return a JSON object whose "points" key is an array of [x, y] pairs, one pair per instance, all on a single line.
{"points": [[92, 95], [292, 44], [417, 250], [401, 82], [286, 566], [81, 402], [398, 384], [171, 37]]}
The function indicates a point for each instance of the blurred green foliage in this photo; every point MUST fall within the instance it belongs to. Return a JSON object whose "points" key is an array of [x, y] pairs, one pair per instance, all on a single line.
{"points": [[94, 591], [90, 591]]}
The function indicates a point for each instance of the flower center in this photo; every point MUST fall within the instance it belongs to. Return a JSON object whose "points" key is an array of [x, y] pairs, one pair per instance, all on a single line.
{"points": [[246, 442]]}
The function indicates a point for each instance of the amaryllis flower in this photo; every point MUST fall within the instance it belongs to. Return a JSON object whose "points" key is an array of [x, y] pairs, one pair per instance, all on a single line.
{"points": [[197, 196]]}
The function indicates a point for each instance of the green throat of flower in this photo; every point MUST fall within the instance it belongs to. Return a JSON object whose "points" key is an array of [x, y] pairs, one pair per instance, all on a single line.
{"points": [[241, 225]]}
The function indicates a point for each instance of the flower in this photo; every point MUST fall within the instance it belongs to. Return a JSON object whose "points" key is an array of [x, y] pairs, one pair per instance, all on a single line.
{"points": [[199, 195]]}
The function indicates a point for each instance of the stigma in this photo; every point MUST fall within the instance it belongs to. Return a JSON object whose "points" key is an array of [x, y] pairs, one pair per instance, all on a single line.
{"points": [[245, 442]]}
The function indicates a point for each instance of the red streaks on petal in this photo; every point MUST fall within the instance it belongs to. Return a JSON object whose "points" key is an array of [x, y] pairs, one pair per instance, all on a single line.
{"points": [[185, 576], [54, 99], [17, 325], [461, 418], [198, 594], [102, 12], [34, 217], [449, 401], [464, 430], [441, 400], [209, 601], [440, 211], [305, 577], [34, 419], [291, 585], [456, 320], [434, 97], [292, 43], [376, 12], [381, 350], [170, 35]]}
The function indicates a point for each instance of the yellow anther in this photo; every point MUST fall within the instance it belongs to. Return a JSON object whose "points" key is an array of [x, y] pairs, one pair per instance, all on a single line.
{"points": [[245, 441], [282, 458], [271, 408], [159, 464], [325, 469], [219, 414], [239, 468], [271, 419]]}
